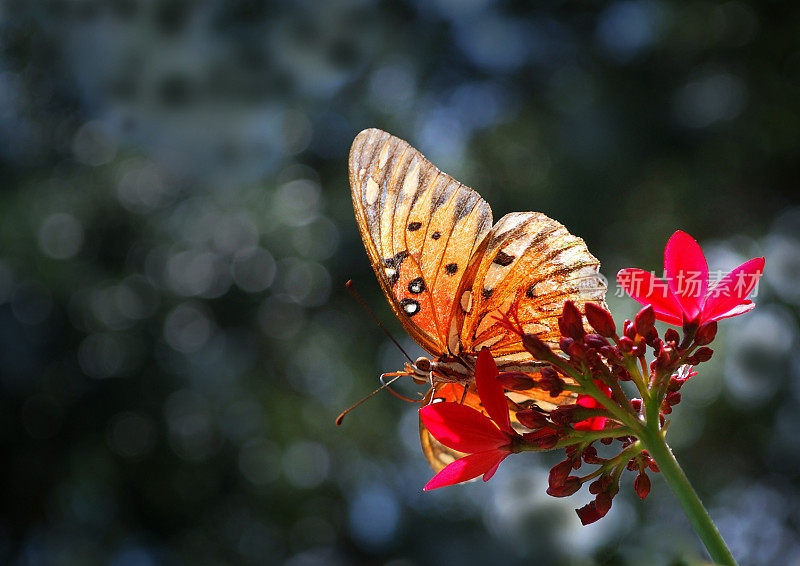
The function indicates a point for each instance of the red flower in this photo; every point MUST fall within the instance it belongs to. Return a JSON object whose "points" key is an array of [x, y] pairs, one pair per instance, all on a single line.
{"points": [[685, 296], [488, 441]]}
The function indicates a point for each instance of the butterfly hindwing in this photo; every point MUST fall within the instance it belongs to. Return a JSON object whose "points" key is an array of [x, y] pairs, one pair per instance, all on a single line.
{"points": [[532, 263], [437, 454], [419, 227]]}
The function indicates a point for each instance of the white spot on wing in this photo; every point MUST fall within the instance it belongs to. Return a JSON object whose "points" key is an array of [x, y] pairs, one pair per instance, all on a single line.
{"points": [[411, 182], [372, 191], [411, 308], [384, 155]]}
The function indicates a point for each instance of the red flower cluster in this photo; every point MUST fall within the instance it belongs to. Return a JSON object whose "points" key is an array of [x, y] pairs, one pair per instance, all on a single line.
{"points": [[591, 361]]}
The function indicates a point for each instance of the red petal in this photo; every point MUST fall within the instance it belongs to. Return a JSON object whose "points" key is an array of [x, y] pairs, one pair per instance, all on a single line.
{"points": [[592, 423], [742, 308], [588, 402], [491, 391], [462, 428], [686, 271], [488, 475], [733, 289], [467, 468], [647, 289]]}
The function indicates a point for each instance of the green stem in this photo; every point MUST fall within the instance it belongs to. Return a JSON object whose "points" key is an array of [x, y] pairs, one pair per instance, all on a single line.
{"points": [[658, 449], [591, 436]]}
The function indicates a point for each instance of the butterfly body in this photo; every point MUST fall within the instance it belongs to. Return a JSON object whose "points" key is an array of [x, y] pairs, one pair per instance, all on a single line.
{"points": [[449, 274]]}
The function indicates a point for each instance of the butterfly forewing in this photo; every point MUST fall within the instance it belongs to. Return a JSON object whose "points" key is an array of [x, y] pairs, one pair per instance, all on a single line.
{"points": [[419, 226]]}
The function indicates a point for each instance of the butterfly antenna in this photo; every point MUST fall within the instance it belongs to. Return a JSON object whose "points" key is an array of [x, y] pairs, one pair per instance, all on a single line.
{"points": [[378, 390], [363, 303]]}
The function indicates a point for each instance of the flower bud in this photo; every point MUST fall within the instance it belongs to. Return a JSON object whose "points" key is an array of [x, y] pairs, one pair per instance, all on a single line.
{"points": [[603, 501], [673, 398], [651, 338], [569, 486], [622, 374], [559, 473], [642, 485], [644, 320], [575, 350], [595, 341], [594, 510], [551, 381], [663, 359], [706, 334], [626, 344], [611, 354], [629, 329], [516, 381], [570, 322], [544, 438], [563, 415], [531, 418], [536, 347], [588, 514], [589, 455], [600, 484], [671, 335], [702, 355], [636, 404], [601, 320], [676, 382]]}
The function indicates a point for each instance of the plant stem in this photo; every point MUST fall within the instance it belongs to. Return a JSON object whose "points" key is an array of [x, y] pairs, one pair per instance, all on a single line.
{"points": [[658, 449]]}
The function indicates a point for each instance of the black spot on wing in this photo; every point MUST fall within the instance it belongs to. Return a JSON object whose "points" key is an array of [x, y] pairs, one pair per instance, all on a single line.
{"points": [[392, 267], [436, 235], [396, 259], [486, 293], [451, 268], [464, 205], [502, 258], [414, 226]]}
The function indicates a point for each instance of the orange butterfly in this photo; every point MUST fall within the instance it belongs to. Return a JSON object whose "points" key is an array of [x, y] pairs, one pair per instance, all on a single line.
{"points": [[448, 274]]}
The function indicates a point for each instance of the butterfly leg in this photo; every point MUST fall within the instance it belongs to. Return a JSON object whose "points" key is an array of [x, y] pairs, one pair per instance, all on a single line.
{"points": [[464, 395]]}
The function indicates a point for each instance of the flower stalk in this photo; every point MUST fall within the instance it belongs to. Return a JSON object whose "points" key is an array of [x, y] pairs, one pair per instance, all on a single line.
{"points": [[585, 372], [694, 509]]}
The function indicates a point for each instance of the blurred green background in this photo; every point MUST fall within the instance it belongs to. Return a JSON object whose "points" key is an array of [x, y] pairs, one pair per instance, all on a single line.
{"points": [[176, 229]]}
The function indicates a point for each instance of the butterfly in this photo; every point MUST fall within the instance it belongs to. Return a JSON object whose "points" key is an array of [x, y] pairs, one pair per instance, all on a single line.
{"points": [[449, 274]]}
